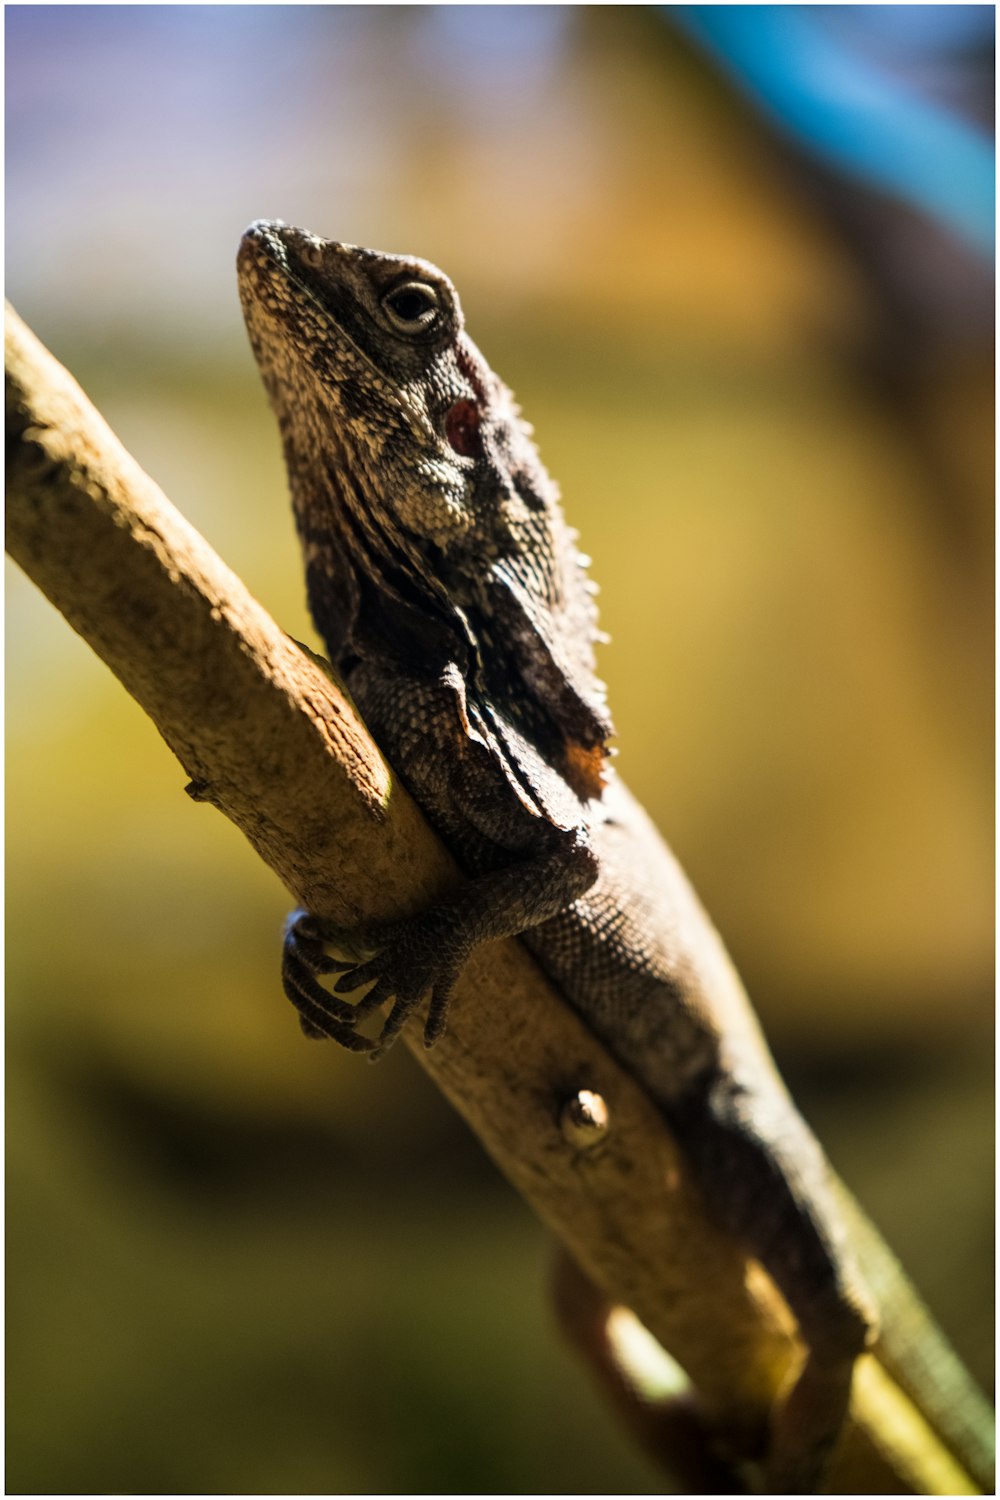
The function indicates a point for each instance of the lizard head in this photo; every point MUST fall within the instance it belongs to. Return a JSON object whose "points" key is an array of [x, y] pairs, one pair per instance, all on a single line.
{"points": [[431, 529]]}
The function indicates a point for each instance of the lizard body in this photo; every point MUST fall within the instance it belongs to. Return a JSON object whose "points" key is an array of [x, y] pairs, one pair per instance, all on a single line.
{"points": [[450, 594]]}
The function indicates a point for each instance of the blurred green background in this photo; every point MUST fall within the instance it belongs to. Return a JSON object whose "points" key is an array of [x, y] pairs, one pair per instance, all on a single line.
{"points": [[241, 1262]]}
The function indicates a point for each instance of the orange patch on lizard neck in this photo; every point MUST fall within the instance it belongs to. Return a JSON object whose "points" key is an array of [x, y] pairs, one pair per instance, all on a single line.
{"points": [[583, 768]]}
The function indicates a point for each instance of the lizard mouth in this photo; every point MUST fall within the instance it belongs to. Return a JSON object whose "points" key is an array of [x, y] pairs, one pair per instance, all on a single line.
{"points": [[273, 262], [267, 244], [266, 264], [261, 251]]}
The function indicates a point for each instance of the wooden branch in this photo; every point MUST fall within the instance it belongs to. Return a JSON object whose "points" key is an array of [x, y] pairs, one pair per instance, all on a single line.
{"points": [[271, 740]]}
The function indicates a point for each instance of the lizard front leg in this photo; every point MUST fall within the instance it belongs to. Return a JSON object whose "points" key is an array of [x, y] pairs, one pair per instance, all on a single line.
{"points": [[422, 956]]}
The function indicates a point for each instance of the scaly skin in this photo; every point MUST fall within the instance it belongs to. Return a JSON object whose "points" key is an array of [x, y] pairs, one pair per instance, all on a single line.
{"points": [[450, 594]]}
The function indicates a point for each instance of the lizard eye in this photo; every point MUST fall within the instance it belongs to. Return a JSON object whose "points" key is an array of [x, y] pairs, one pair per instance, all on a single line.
{"points": [[413, 306]]}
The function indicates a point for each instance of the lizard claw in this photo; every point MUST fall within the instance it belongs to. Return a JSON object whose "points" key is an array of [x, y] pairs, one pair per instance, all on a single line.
{"points": [[302, 960]]}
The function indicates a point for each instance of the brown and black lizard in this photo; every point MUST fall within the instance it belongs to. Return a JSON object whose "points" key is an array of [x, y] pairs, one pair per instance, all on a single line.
{"points": [[452, 598]]}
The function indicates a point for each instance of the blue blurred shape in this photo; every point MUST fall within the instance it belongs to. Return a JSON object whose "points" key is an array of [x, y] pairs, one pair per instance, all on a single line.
{"points": [[856, 114]]}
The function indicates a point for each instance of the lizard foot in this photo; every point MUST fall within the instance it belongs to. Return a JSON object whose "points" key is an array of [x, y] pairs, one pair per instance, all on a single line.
{"points": [[409, 959], [413, 958]]}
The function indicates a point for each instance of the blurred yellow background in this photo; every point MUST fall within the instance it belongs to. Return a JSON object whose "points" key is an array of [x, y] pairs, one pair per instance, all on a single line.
{"points": [[241, 1262]]}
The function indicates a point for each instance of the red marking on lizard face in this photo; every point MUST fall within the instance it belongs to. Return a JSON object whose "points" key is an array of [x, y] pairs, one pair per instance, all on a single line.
{"points": [[461, 428]]}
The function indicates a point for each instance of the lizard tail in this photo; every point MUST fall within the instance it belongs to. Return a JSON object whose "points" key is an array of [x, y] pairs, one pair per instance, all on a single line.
{"points": [[919, 1357]]}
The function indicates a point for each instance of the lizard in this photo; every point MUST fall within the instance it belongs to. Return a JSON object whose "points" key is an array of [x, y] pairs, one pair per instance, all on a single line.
{"points": [[452, 599]]}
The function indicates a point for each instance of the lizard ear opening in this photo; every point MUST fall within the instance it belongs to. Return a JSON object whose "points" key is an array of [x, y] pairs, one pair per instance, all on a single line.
{"points": [[461, 428]]}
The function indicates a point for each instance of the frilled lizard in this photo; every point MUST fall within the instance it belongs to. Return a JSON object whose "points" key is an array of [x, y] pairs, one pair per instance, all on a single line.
{"points": [[452, 598]]}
